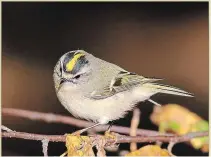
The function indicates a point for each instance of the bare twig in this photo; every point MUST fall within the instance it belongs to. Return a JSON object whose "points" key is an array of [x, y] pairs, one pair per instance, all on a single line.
{"points": [[134, 125], [31, 136], [100, 148], [55, 118], [176, 139], [4, 128], [170, 147], [119, 139], [45, 147], [144, 135]]}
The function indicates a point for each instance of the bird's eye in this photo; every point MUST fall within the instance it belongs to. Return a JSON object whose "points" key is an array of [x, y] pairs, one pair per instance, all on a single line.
{"points": [[77, 76]]}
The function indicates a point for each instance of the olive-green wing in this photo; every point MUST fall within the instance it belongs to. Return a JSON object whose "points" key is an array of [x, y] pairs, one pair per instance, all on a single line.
{"points": [[122, 82]]}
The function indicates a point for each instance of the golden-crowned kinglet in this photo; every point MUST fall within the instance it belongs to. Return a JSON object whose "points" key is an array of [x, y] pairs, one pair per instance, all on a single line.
{"points": [[96, 90]]}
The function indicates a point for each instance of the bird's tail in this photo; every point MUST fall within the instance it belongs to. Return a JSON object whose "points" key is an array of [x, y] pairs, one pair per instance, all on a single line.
{"points": [[160, 88]]}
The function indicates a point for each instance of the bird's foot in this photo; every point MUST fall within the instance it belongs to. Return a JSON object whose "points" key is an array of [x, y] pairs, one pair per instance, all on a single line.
{"points": [[78, 145], [77, 134], [111, 136]]}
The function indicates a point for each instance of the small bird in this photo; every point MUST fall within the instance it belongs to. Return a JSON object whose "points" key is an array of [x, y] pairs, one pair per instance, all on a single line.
{"points": [[96, 90]]}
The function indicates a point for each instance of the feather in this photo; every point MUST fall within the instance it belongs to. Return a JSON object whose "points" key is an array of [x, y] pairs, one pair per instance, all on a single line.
{"points": [[154, 102], [124, 81], [167, 89]]}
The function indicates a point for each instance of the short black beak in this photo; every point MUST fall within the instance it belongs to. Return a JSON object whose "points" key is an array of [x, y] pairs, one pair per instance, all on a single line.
{"points": [[63, 80]]}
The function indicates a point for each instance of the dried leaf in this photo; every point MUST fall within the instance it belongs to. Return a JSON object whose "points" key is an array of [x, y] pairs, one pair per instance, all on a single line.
{"points": [[100, 147], [111, 146], [199, 142], [175, 118], [205, 148], [149, 150], [79, 146]]}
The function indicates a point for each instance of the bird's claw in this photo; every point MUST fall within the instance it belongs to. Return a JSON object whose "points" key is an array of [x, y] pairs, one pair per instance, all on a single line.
{"points": [[113, 136]]}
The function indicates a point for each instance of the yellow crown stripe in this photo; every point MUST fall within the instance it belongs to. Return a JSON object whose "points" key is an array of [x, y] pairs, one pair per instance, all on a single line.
{"points": [[70, 65]]}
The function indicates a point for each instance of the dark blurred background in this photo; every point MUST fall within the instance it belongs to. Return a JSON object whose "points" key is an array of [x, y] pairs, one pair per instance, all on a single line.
{"points": [[156, 39]]}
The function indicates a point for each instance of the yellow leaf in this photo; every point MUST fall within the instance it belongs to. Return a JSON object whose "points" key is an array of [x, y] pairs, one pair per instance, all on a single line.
{"points": [[149, 150], [79, 146], [200, 142], [177, 119], [175, 114]]}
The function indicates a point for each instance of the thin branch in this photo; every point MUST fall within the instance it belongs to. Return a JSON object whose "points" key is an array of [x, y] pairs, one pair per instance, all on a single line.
{"points": [[55, 118], [45, 147], [146, 135], [31, 136], [4, 128], [119, 139], [170, 147], [176, 139], [134, 126]]}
